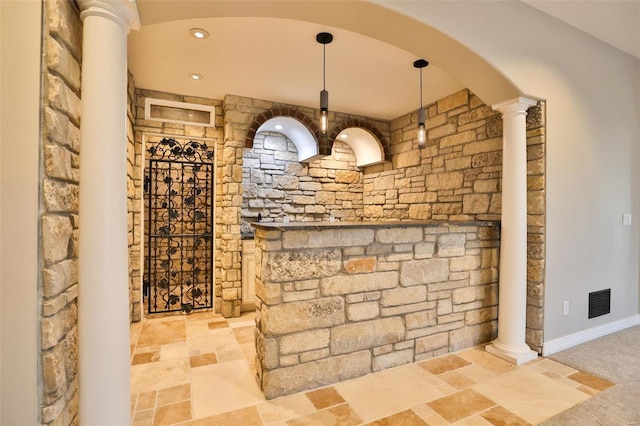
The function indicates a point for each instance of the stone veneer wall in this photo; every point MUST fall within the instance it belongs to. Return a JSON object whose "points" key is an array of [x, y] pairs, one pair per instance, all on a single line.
{"points": [[240, 114], [134, 218], [62, 58], [457, 176], [154, 131], [338, 302], [276, 185]]}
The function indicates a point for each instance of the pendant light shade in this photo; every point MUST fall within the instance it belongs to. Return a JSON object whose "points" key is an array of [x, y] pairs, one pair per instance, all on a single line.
{"points": [[422, 114], [324, 39]]}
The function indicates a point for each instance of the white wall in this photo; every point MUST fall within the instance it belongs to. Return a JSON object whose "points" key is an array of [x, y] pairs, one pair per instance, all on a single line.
{"points": [[20, 34], [593, 166]]}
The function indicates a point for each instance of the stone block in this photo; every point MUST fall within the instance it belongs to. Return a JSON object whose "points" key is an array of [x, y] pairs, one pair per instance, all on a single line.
{"points": [[59, 277], [302, 265], [420, 319], [406, 159], [327, 238], [303, 315], [267, 351], [487, 145], [483, 276], [405, 309], [425, 271], [346, 284], [424, 250], [357, 265], [54, 328], [305, 341], [444, 307], [60, 196], [404, 296], [417, 197], [481, 315], [294, 296], [453, 101], [535, 202], [434, 329], [420, 211], [381, 350], [61, 97], [384, 183], [468, 294], [393, 359], [399, 235], [432, 343], [59, 128], [458, 139], [57, 162], [465, 263], [56, 233], [472, 335], [230, 294], [288, 360], [476, 203], [444, 181], [460, 163], [54, 373], [314, 355], [366, 334], [363, 311], [345, 176], [440, 131], [325, 197], [451, 244], [275, 143], [310, 375]]}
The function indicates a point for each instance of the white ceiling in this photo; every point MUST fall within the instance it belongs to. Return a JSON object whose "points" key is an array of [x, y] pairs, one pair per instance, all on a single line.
{"points": [[280, 60], [616, 22]]}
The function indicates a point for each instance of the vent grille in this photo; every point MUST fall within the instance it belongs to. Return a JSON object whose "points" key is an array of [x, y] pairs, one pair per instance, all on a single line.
{"points": [[599, 303]]}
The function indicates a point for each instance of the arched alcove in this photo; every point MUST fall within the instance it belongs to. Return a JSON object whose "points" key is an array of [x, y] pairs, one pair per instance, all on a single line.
{"points": [[297, 133], [368, 144]]}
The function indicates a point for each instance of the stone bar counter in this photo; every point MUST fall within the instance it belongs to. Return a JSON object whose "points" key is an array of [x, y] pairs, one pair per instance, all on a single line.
{"points": [[340, 300]]}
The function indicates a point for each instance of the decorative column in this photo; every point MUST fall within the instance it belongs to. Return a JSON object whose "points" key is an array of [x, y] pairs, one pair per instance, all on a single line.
{"points": [[512, 296], [103, 295]]}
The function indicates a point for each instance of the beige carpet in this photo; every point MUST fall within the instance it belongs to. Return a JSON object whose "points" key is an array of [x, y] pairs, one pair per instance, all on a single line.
{"points": [[615, 357]]}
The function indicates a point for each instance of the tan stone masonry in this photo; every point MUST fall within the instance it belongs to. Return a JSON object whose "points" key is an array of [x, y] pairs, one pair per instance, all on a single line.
{"points": [[338, 301], [60, 144]]}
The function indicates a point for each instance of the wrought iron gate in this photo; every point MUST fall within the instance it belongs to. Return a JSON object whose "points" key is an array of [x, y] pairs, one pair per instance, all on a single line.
{"points": [[179, 225]]}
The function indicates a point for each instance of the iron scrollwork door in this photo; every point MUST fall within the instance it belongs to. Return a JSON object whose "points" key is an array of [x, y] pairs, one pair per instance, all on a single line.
{"points": [[179, 219]]}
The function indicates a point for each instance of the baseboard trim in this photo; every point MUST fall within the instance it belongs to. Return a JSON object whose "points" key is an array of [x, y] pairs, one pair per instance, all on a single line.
{"points": [[566, 342]]}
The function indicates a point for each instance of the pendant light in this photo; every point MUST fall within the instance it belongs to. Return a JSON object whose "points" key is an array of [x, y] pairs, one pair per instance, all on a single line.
{"points": [[324, 39], [422, 115]]}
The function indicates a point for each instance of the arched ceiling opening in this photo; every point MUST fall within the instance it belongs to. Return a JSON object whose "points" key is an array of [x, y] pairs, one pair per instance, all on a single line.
{"points": [[360, 21]]}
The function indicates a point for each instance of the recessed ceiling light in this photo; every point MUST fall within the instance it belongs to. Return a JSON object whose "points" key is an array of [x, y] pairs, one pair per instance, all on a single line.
{"points": [[344, 136], [279, 126], [199, 33], [196, 76]]}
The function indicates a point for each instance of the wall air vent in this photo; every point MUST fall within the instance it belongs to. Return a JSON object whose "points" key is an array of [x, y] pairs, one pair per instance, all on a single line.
{"points": [[599, 303], [179, 112]]}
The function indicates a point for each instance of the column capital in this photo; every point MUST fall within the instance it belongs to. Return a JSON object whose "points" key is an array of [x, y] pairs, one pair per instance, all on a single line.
{"points": [[122, 12], [517, 105]]}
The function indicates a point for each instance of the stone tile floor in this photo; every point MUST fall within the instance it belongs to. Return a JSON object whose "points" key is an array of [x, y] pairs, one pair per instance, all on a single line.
{"points": [[199, 370]]}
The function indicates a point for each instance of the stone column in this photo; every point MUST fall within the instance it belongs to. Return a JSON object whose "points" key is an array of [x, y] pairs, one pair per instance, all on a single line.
{"points": [[512, 299], [103, 299]]}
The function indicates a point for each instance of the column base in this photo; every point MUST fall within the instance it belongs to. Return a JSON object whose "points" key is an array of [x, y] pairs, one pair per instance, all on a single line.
{"points": [[512, 354]]}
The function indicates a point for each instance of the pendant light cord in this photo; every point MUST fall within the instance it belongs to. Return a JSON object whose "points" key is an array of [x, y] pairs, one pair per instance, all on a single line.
{"points": [[324, 67], [420, 88]]}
